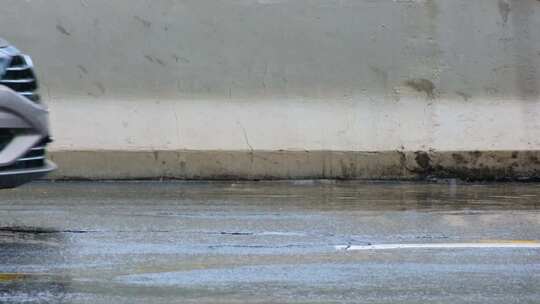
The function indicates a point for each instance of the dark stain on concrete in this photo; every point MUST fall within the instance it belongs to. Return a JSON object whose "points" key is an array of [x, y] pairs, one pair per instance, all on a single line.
{"points": [[475, 154], [459, 159], [504, 10], [62, 30], [143, 21], [423, 160], [432, 8], [422, 85], [491, 91], [180, 59], [160, 62], [381, 76], [100, 86], [523, 25], [473, 166], [82, 69], [348, 170], [149, 58], [464, 95], [534, 159], [183, 166], [391, 165], [154, 59]]}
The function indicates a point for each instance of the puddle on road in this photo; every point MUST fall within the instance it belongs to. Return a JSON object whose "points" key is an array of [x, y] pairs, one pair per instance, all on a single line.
{"points": [[21, 250], [26, 246], [33, 288], [309, 196]]}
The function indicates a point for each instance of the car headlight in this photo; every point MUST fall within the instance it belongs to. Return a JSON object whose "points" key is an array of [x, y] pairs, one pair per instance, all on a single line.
{"points": [[4, 62]]}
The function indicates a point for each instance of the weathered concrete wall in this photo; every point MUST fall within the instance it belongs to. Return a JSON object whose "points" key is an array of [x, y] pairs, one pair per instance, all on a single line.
{"points": [[220, 165], [294, 75]]}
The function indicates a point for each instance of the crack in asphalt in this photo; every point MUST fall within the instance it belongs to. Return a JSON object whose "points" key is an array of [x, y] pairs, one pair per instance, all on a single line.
{"points": [[30, 230], [234, 233]]}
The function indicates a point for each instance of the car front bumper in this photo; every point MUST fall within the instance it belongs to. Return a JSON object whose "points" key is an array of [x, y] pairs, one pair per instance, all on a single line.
{"points": [[22, 157]]}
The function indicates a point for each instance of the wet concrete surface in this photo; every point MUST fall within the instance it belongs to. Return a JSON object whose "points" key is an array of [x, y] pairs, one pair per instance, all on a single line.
{"points": [[172, 242]]}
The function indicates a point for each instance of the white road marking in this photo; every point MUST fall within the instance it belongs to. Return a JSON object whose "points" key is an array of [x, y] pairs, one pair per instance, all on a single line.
{"points": [[509, 244]]}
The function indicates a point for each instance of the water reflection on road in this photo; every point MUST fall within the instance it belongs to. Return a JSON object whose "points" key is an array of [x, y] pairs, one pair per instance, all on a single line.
{"points": [[25, 253], [149, 242]]}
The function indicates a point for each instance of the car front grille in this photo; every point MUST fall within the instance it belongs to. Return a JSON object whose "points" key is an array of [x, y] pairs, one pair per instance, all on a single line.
{"points": [[20, 77], [6, 136], [33, 159]]}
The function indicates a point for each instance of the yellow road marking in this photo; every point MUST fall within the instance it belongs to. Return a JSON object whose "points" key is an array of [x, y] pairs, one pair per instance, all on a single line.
{"points": [[8, 277]]}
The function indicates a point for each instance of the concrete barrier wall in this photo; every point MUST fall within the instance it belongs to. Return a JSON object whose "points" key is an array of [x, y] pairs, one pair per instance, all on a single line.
{"points": [[282, 75]]}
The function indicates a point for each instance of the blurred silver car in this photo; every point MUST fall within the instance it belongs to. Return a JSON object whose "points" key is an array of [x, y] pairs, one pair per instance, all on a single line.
{"points": [[24, 128]]}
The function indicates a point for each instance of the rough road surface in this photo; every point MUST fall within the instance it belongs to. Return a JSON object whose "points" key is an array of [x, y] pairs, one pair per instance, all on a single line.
{"points": [[295, 242]]}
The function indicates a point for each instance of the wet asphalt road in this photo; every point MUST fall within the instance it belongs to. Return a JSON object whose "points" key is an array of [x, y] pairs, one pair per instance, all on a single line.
{"points": [[151, 242]]}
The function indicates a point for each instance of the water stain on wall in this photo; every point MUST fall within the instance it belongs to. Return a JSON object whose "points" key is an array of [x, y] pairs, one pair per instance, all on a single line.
{"points": [[143, 21], [504, 10], [528, 78], [422, 85], [464, 95], [62, 30]]}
